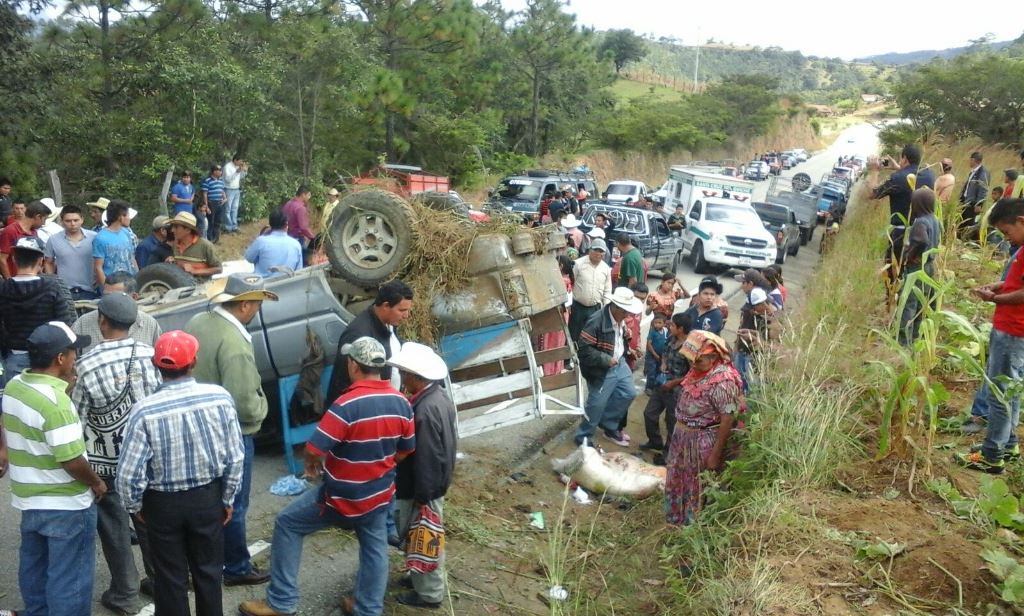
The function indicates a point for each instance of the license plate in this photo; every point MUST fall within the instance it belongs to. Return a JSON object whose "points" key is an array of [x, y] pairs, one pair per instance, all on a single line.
{"points": [[746, 261]]}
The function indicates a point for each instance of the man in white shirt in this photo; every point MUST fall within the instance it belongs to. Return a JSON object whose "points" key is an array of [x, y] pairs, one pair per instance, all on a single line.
{"points": [[234, 172], [593, 283]]}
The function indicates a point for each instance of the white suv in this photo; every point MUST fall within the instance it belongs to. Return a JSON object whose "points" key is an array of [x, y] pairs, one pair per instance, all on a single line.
{"points": [[726, 232]]}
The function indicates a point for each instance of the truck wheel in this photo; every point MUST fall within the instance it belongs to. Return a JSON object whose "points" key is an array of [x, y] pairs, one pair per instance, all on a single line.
{"points": [[796, 249], [801, 182], [780, 257], [369, 237], [700, 264], [159, 278], [804, 234]]}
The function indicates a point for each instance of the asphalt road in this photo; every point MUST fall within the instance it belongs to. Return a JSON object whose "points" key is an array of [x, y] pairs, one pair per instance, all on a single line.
{"points": [[330, 557]]}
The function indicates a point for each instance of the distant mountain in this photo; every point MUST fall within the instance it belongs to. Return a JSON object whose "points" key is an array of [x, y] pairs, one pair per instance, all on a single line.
{"points": [[920, 57]]}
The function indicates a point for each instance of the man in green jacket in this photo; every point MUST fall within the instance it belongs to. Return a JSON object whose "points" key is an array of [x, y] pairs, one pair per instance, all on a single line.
{"points": [[226, 358]]}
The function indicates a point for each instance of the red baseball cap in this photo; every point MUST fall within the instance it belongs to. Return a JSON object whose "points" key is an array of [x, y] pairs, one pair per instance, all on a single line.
{"points": [[175, 350]]}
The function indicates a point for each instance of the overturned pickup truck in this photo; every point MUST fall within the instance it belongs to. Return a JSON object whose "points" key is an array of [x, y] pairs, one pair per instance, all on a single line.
{"points": [[486, 332]]}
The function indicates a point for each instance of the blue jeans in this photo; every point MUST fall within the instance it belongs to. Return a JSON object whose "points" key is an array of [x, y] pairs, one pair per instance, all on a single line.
{"points": [[57, 561], [237, 560], [1005, 359], [231, 209], [607, 401], [979, 407], [14, 364], [741, 361], [308, 514]]}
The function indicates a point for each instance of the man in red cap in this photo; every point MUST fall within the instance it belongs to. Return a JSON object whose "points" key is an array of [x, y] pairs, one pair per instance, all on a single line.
{"points": [[179, 471]]}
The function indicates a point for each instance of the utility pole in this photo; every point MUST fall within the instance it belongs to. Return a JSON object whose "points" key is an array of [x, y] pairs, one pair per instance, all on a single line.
{"points": [[696, 66]]}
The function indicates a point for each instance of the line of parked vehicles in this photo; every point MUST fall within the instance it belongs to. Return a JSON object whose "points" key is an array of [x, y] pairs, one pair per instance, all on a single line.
{"points": [[724, 226]]}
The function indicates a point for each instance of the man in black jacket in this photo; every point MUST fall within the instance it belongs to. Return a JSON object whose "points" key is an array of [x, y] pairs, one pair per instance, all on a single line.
{"points": [[392, 306], [601, 349], [28, 300], [424, 477], [975, 190]]}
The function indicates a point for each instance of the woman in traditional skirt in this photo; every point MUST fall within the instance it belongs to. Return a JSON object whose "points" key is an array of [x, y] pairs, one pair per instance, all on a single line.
{"points": [[710, 398]]}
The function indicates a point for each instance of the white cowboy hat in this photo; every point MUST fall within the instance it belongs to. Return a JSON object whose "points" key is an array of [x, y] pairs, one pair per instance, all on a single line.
{"points": [[571, 222], [596, 232], [420, 360], [623, 298], [52, 206]]}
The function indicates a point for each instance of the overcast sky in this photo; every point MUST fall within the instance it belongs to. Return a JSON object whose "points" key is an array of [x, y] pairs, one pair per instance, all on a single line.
{"points": [[834, 29]]}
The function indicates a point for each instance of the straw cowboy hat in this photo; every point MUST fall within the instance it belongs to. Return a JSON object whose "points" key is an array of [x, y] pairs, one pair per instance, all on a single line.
{"points": [[571, 222], [420, 360], [623, 298], [185, 219], [100, 203], [239, 288]]}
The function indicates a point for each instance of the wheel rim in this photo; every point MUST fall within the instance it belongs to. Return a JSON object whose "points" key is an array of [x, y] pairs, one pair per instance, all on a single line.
{"points": [[369, 241], [156, 288]]}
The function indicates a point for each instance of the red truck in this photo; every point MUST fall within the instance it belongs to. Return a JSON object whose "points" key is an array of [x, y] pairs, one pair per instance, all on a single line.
{"points": [[405, 180]]}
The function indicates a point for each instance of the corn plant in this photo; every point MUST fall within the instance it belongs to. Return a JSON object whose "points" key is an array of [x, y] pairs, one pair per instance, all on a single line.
{"points": [[910, 408]]}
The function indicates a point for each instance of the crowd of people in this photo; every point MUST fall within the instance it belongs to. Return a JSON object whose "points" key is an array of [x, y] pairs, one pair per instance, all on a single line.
{"points": [[113, 429], [915, 234], [694, 381], [117, 430]]}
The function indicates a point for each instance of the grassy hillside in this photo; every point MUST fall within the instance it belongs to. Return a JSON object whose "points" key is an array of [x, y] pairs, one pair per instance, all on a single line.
{"points": [[818, 80]]}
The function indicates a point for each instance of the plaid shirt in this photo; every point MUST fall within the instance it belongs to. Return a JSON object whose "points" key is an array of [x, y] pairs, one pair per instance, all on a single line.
{"points": [[673, 363], [184, 436], [103, 374]]}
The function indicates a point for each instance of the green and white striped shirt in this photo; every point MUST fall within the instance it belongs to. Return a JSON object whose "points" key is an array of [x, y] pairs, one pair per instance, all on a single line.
{"points": [[42, 431]]}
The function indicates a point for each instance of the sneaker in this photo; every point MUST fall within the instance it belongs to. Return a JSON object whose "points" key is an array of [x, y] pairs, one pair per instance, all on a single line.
{"points": [[1010, 454], [618, 437], [977, 462], [649, 445], [974, 425]]}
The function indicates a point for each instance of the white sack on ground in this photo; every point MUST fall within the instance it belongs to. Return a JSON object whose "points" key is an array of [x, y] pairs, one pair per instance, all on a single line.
{"points": [[618, 474]]}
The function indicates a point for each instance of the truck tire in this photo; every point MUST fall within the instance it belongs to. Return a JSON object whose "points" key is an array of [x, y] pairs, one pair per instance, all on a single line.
{"points": [[800, 182], [805, 236], [700, 264], [369, 237], [160, 278], [796, 249]]}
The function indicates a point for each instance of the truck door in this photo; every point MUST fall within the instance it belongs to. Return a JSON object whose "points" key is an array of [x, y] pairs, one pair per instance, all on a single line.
{"points": [[692, 218]]}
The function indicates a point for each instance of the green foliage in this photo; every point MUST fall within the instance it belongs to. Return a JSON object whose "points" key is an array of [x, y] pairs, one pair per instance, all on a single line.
{"points": [[623, 47], [1010, 573], [974, 94], [879, 550]]}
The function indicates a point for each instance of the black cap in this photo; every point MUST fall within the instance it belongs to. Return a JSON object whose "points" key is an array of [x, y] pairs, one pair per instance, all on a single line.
{"points": [[51, 339]]}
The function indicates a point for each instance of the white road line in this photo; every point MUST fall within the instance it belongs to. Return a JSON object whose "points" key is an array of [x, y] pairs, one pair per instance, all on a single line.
{"points": [[260, 546]]}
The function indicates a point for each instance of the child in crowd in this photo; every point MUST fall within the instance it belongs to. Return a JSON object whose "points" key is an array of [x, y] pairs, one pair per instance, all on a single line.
{"points": [[657, 342]]}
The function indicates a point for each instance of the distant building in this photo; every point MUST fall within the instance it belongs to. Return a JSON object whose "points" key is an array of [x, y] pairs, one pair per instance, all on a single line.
{"points": [[872, 98]]}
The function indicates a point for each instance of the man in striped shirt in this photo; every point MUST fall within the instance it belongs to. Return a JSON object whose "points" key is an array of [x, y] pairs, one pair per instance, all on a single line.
{"points": [[180, 467], [356, 447], [214, 199], [113, 376], [51, 480]]}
